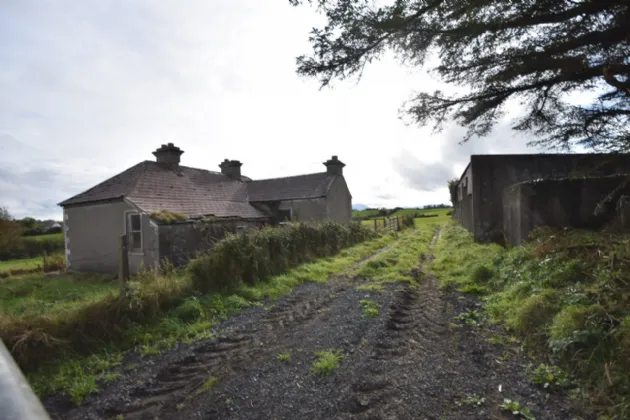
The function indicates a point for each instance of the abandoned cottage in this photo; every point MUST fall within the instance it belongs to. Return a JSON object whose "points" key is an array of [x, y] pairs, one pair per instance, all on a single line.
{"points": [[509, 195], [131, 202]]}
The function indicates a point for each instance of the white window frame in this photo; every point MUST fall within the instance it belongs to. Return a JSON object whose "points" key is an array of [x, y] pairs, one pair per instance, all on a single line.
{"points": [[129, 232]]}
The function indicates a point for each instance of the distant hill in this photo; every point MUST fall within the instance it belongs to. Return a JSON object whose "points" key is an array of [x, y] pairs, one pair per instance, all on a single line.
{"points": [[359, 207]]}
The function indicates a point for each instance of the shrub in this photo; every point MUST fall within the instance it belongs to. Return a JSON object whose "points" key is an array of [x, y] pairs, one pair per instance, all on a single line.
{"points": [[33, 246], [408, 221], [481, 274], [55, 262], [189, 310], [535, 311], [577, 327], [247, 257]]}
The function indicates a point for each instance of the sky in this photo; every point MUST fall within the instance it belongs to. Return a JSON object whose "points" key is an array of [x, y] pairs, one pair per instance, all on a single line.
{"points": [[90, 88]]}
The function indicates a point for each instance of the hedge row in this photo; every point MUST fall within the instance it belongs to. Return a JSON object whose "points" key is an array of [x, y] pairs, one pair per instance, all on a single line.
{"points": [[33, 246], [250, 256]]}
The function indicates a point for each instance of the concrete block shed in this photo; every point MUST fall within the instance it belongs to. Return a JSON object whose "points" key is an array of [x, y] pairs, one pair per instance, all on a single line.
{"points": [[226, 201], [486, 209]]}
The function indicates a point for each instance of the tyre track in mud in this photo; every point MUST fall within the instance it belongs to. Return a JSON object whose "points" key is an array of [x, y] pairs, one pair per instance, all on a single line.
{"points": [[417, 319], [181, 381], [221, 358], [407, 363]]}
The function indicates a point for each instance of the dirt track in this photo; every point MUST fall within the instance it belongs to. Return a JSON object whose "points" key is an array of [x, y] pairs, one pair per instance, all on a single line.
{"points": [[408, 363]]}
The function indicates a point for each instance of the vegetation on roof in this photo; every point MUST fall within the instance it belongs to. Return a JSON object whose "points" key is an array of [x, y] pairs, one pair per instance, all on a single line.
{"points": [[168, 217]]}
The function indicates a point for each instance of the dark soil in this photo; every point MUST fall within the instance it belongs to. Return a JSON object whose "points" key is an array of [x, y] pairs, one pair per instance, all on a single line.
{"points": [[413, 361]]}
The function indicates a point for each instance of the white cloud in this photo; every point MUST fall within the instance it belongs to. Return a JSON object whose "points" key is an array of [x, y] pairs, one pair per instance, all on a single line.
{"points": [[91, 88]]}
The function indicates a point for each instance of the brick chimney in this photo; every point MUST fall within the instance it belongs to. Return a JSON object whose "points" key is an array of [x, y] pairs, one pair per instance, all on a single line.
{"points": [[334, 166], [168, 154], [231, 168]]}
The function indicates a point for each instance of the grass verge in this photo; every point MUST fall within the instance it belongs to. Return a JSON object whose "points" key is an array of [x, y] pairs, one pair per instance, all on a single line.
{"points": [[566, 292]]}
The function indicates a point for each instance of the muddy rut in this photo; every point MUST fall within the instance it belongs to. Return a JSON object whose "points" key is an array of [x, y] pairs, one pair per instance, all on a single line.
{"points": [[407, 363]]}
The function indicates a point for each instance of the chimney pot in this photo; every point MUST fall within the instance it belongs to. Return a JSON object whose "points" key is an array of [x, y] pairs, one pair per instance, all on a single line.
{"points": [[168, 154], [231, 168], [334, 166]]}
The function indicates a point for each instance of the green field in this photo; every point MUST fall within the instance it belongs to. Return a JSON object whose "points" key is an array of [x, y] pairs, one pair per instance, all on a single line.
{"points": [[37, 294], [374, 212], [419, 221], [23, 264]]}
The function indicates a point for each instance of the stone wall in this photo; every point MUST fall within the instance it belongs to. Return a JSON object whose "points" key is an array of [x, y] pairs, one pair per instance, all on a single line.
{"points": [[180, 242], [556, 203]]}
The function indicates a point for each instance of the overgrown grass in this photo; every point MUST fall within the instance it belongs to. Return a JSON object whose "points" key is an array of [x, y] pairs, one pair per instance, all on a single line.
{"points": [[66, 345], [566, 292], [326, 362], [36, 294], [21, 264], [399, 262]]}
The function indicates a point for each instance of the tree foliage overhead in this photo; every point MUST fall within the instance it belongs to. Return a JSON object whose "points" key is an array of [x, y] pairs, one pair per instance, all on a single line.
{"points": [[537, 52]]}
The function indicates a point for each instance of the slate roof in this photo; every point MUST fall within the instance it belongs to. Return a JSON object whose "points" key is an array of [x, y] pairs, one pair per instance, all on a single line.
{"points": [[290, 188], [198, 192]]}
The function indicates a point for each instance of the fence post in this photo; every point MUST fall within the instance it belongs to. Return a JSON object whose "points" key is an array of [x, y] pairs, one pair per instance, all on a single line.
{"points": [[397, 223], [44, 267], [375, 225], [123, 274]]}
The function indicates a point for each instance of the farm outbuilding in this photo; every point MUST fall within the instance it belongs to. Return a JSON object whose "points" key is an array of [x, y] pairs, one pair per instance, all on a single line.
{"points": [[507, 196], [170, 211]]}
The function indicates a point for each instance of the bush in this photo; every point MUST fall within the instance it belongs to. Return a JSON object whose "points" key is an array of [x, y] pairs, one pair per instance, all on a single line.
{"points": [[33, 246], [190, 310], [535, 312], [55, 262], [247, 257], [481, 274]]}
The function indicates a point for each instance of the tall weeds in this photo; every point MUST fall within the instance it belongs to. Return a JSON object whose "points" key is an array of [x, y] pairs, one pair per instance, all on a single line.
{"points": [[35, 339]]}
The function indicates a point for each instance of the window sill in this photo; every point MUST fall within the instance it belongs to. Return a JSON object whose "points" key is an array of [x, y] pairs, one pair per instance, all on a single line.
{"points": [[136, 253]]}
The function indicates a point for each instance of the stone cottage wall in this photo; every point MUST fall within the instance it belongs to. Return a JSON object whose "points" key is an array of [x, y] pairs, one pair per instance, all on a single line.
{"points": [[180, 242]]}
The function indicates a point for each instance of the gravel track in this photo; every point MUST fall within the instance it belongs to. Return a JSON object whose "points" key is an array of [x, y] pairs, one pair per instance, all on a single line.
{"points": [[407, 363]]}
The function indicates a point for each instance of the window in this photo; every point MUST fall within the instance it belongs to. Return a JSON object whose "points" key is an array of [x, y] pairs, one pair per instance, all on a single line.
{"points": [[134, 232], [284, 215]]}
